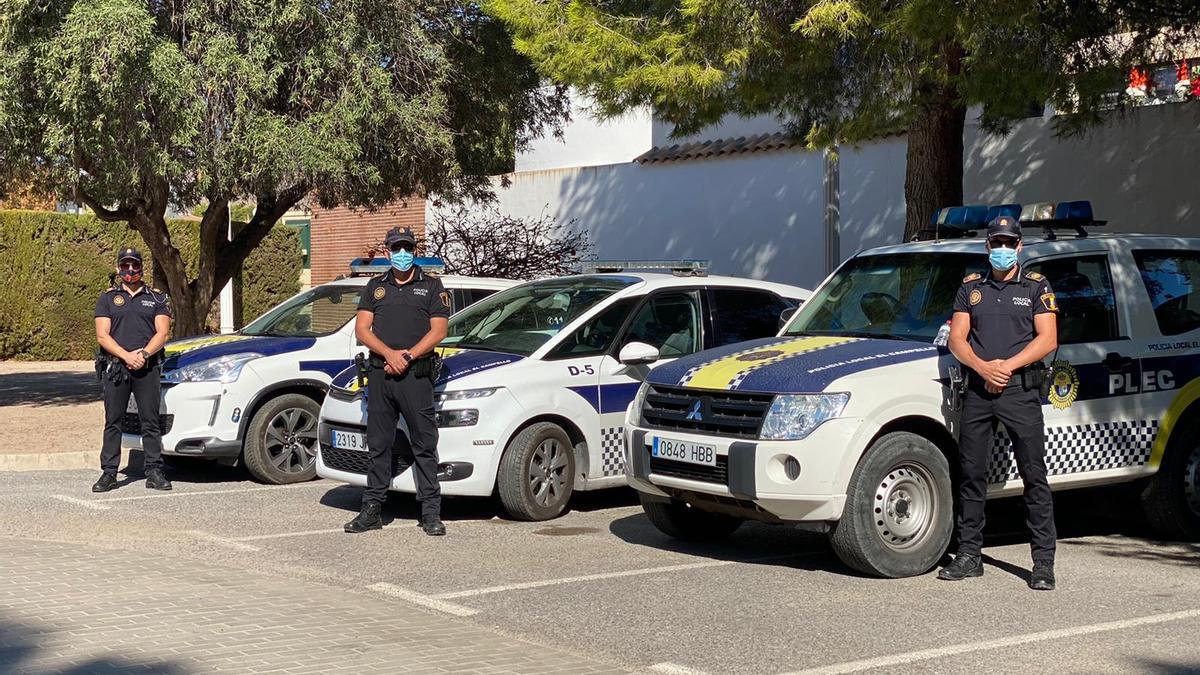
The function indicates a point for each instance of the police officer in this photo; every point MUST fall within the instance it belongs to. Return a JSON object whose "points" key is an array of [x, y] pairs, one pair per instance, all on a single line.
{"points": [[132, 322], [402, 316], [1005, 322]]}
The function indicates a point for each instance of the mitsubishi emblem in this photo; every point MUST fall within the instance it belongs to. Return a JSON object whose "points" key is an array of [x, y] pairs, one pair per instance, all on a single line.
{"points": [[694, 414]]}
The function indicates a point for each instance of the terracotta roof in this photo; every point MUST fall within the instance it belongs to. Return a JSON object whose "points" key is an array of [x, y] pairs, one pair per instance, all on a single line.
{"points": [[719, 147]]}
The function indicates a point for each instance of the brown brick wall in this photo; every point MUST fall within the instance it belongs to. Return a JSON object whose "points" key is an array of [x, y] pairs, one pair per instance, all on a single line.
{"points": [[341, 234]]}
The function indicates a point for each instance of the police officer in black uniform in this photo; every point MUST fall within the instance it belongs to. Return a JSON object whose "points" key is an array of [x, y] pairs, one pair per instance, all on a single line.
{"points": [[402, 316], [132, 322], [1005, 322]]}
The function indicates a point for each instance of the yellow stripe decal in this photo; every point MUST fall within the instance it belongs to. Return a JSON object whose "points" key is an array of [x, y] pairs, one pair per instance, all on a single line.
{"points": [[725, 372], [1187, 396], [448, 351], [189, 345]]}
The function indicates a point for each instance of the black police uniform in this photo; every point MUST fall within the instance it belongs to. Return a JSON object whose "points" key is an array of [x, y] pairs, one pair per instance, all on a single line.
{"points": [[402, 318], [1001, 326], [132, 316]]}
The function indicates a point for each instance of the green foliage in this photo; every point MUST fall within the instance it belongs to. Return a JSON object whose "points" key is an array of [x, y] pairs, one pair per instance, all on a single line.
{"points": [[59, 264]]}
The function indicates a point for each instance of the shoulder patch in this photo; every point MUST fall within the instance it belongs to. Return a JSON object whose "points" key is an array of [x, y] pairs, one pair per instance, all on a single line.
{"points": [[118, 300], [380, 291], [1034, 276], [157, 290], [975, 276]]}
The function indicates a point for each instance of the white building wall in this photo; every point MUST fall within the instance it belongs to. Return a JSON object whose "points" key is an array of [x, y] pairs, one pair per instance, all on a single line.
{"points": [[587, 141]]}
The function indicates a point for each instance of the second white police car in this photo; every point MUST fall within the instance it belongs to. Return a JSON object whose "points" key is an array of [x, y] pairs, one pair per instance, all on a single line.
{"points": [[536, 380], [843, 422]]}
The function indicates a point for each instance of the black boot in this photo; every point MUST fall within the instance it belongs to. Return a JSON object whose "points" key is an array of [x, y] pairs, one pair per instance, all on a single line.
{"points": [[1042, 578], [367, 519], [157, 480], [107, 482], [433, 526], [963, 566]]}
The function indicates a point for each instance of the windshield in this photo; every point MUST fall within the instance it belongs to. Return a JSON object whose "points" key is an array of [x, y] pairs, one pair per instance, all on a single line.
{"points": [[523, 318], [898, 296], [320, 311]]}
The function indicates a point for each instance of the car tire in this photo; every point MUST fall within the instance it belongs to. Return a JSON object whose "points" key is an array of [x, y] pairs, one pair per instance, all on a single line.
{"points": [[1171, 498], [681, 521], [899, 512], [281, 440], [537, 473]]}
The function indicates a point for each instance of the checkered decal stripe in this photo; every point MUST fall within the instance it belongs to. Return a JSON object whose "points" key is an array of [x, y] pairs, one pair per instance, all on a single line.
{"points": [[1079, 448], [612, 451]]}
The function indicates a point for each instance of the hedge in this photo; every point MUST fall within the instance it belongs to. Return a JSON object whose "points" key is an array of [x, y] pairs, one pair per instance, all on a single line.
{"points": [[59, 263]]}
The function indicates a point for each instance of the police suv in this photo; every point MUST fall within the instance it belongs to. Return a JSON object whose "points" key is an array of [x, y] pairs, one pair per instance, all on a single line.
{"points": [[843, 423], [536, 379], [255, 394]]}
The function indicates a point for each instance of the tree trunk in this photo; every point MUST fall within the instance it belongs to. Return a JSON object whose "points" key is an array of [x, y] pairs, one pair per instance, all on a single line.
{"points": [[933, 173]]}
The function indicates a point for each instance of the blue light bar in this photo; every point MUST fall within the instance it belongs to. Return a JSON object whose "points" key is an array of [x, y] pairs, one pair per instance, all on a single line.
{"points": [[372, 266], [961, 221], [1011, 210]]}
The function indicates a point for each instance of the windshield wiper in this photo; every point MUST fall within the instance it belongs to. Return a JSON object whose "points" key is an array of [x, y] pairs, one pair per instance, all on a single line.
{"points": [[473, 345], [864, 334]]}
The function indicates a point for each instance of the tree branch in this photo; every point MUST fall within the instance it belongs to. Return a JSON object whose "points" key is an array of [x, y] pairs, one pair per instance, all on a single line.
{"points": [[122, 213]]}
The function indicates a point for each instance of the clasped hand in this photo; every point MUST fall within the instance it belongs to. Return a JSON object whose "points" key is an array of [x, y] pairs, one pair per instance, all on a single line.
{"points": [[395, 363], [996, 375]]}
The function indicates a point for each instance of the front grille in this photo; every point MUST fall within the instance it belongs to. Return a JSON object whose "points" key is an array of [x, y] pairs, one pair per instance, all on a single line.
{"points": [[708, 474], [722, 413], [130, 424], [358, 461]]}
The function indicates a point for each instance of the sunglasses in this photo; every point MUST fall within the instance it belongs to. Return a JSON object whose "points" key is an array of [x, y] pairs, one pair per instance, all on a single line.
{"points": [[132, 266], [1004, 242], [403, 246]]}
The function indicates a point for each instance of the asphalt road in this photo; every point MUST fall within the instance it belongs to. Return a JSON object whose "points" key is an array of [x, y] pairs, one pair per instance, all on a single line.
{"points": [[603, 584]]}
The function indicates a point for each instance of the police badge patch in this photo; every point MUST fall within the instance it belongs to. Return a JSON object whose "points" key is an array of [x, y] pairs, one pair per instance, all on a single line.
{"points": [[1050, 302], [380, 292], [1064, 387], [761, 356], [976, 296], [445, 297], [118, 300]]}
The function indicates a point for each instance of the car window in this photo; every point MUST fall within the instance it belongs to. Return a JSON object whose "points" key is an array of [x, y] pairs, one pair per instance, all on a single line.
{"points": [[596, 336], [1087, 306], [474, 295], [741, 314], [668, 321], [316, 312], [1169, 278]]}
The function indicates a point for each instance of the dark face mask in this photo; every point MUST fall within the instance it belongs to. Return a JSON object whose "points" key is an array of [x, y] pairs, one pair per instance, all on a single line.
{"points": [[130, 276]]}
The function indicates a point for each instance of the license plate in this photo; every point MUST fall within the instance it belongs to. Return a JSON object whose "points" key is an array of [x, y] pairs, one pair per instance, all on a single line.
{"points": [[684, 451], [349, 440]]}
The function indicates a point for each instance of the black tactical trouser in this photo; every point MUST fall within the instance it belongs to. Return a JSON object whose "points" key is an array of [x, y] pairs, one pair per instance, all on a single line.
{"points": [[389, 397], [144, 386], [1020, 410]]}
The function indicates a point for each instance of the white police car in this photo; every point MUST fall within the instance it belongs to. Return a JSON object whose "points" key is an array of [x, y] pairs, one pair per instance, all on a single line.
{"points": [[536, 380], [842, 423], [255, 394]]}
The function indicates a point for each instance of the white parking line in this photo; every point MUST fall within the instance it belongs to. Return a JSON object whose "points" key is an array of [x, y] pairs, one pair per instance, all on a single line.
{"points": [[214, 492], [609, 575], [86, 503], [285, 535], [675, 669], [999, 643], [422, 600], [229, 543]]}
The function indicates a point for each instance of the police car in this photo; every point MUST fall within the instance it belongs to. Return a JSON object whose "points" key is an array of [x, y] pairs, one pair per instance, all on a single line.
{"points": [[843, 422], [255, 394], [536, 379]]}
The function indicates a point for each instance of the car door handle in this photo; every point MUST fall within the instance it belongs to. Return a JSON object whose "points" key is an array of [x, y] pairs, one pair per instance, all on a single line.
{"points": [[1116, 363]]}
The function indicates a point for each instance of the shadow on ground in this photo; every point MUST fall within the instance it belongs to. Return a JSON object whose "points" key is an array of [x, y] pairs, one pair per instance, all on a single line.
{"points": [[22, 646], [48, 388]]}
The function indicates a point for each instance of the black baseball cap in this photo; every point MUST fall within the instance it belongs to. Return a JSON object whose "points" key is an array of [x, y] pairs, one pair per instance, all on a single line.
{"points": [[129, 253], [398, 235], [1004, 226]]}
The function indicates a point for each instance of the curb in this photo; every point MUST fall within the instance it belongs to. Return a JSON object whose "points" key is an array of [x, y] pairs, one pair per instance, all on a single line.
{"points": [[51, 461]]}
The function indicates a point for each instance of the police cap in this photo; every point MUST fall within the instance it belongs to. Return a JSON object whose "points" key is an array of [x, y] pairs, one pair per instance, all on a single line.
{"points": [[398, 235], [129, 253], [1004, 226]]}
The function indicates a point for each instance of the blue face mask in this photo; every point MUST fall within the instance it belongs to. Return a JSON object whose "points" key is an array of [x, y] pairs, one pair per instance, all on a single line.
{"points": [[402, 260], [1003, 258]]}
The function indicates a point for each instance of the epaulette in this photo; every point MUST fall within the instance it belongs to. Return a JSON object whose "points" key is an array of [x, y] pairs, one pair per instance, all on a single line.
{"points": [[974, 276], [157, 290], [110, 289], [1034, 276]]}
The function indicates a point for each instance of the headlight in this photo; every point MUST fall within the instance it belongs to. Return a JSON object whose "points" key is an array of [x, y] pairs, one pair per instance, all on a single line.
{"points": [[221, 369], [635, 409], [794, 416], [457, 418], [465, 394]]}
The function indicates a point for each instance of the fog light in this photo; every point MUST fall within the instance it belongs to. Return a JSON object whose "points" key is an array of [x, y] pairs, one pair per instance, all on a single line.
{"points": [[791, 467], [457, 418]]}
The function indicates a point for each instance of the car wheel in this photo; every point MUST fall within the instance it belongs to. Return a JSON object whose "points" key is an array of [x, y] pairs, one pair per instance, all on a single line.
{"points": [[681, 521], [281, 440], [899, 509], [537, 473], [1171, 500]]}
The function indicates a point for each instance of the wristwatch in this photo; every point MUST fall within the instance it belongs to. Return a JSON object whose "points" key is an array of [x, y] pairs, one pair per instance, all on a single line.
{"points": [[408, 357], [145, 354]]}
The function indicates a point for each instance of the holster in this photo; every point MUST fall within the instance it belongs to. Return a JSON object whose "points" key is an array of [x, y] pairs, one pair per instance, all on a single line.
{"points": [[958, 387], [1035, 376]]}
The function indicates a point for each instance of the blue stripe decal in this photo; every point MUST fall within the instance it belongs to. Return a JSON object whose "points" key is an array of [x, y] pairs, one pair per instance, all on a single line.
{"points": [[267, 346], [815, 371], [345, 377], [471, 361], [590, 393], [670, 374], [617, 397], [330, 367]]}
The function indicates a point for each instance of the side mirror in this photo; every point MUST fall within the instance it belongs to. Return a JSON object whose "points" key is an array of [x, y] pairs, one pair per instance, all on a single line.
{"points": [[786, 315], [637, 353]]}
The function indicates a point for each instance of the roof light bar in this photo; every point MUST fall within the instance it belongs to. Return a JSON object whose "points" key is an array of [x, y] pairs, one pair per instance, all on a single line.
{"points": [[361, 267], [685, 268], [955, 222]]}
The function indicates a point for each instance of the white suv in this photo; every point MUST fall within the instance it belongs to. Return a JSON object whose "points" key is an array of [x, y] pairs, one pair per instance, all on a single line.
{"points": [[843, 422], [537, 378]]}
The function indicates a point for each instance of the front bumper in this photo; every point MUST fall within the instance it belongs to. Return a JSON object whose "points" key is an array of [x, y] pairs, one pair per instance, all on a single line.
{"points": [[750, 474], [198, 419]]}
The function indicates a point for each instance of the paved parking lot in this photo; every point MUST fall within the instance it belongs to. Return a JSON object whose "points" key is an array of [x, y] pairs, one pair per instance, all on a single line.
{"points": [[223, 573]]}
